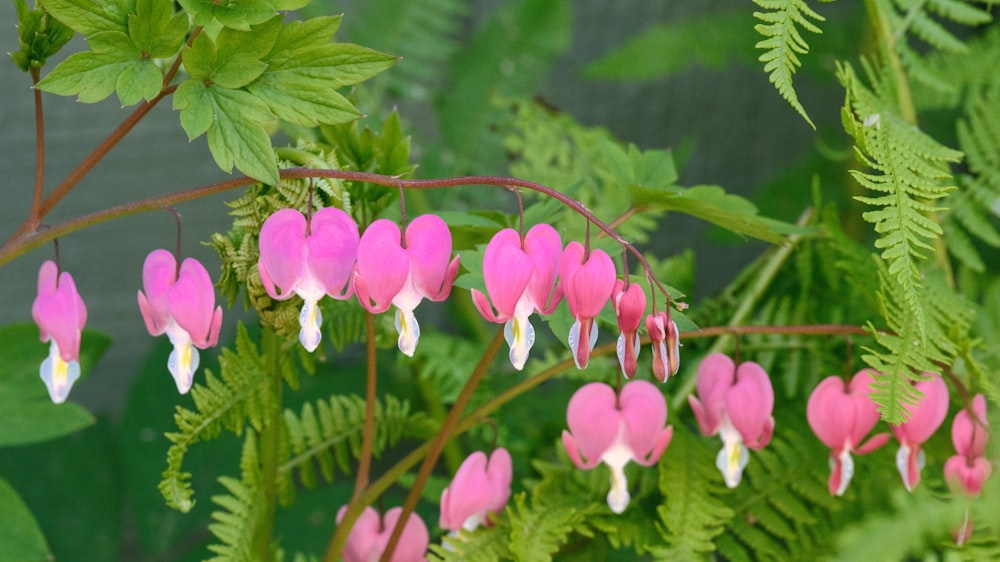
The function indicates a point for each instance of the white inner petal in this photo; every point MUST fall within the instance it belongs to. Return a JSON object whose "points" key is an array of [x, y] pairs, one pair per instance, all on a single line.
{"points": [[408, 330], [733, 457], [310, 320], [520, 336]]}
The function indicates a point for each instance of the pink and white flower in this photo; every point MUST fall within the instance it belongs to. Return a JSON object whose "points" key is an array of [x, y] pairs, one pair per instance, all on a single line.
{"points": [[586, 280], [616, 430], [60, 315], [737, 404], [370, 535], [520, 278], [308, 259], [480, 488], [841, 416], [403, 270], [630, 305], [926, 416], [180, 303], [968, 470]]}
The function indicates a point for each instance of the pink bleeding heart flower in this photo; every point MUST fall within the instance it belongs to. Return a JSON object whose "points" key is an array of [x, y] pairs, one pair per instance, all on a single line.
{"points": [[480, 488], [520, 278], [968, 470], [737, 404], [841, 417], [402, 271], [630, 304], [308, 259], [926, 416], [587, 282], [60, 315], [616, 430], [367, 540], [666, 342], [181, 304]]}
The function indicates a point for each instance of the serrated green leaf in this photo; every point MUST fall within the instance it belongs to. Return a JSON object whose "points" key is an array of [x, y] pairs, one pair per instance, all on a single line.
{"points": [[20, 536], [155, 29], [196, 111], [91, 76], [233, 58], [138, 82], [29, 416], [234, 14], [302, 101], [88, 17]]}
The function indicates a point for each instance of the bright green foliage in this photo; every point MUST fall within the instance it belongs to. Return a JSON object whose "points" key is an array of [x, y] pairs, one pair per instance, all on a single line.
{"points": [[124, 40], [692, 513], [665, 50], [487, 544], [234, 14], [237, 397], [29, 416], [923, 20], [538, 531], [39, 36], [236, 525], [444, 362], [971, 206], [244, 78], [327, 436], [783, 44]]}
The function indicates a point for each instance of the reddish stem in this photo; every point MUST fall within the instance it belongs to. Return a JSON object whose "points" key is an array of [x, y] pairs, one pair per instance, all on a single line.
{"points": [[36, 202]]}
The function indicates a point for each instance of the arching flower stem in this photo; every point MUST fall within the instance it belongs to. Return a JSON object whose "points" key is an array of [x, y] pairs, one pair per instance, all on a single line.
{"points": [[368, 435]]}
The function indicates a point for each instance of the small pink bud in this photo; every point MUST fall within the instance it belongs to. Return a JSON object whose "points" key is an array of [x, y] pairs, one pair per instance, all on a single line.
{"points": [[968, 470], [630, 305], [666, 345]]}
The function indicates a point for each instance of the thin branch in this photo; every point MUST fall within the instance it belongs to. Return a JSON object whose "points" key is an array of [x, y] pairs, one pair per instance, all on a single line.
{"points": [[368, 435], [34, 217]]}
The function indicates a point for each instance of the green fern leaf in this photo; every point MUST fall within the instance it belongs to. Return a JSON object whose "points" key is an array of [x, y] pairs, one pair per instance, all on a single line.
{"points": [[327, 435], [538, 531], [783, 44], [225, 402], [692, 514], [485, 544], [235, 524]]}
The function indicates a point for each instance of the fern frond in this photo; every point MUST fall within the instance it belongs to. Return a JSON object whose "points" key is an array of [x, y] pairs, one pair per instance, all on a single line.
{"points": [[225, 402], [910, 170], [692, 513], [538, 531], [783, 44], [444, 362], [485, 544], [327, 435], [235, 524]]}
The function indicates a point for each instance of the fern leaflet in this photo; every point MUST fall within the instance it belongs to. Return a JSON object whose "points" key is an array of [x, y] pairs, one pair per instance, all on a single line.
{"points": [[783, 44], [327, 435], [227, 401], [236, 523], [692, 514]]}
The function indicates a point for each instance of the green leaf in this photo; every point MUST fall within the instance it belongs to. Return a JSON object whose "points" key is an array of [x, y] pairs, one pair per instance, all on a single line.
{"points": [[710, 203], [88, 17], [783, 44], [233, 120], [233, 58], [304, 69], [39, 36], [234, 14], [155, 29], [138, 82], [20, 537], [29, 416]]}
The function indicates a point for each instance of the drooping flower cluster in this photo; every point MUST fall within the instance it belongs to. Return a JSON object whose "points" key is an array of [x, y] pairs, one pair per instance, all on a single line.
{"points": [[736, 403], [926, 416], [616, 429], [60, 315], [841, 416], [371, 532], [180, 302], [480, 488]]}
